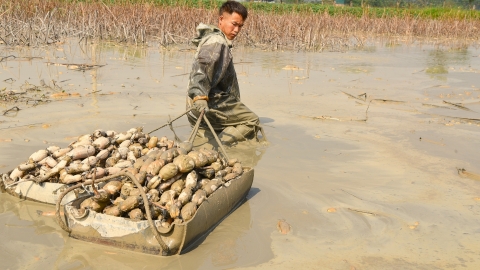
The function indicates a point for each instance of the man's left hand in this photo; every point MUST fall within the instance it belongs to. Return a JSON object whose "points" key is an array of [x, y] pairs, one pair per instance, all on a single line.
{"points": [[199, 106]]}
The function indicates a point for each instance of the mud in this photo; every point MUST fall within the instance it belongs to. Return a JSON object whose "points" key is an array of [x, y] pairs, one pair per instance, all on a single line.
{"points": [[363, 161]]}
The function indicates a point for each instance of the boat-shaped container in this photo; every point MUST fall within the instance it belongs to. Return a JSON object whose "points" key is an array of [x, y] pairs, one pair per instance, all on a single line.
{"points": [[45, 192], [138, 235]]}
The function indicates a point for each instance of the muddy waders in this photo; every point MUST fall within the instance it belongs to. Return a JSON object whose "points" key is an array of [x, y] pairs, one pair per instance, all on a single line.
{"points": [[239, 125]]}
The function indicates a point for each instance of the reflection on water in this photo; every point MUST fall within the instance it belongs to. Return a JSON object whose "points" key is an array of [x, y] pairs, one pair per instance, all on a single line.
{"points": [[232, 240], [439, 61], [230, 243], [248, 152], [29, 239], [357, 68]]}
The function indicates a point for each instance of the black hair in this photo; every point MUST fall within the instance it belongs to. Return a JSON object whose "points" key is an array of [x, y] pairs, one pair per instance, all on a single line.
{"points": [[233, 6]]}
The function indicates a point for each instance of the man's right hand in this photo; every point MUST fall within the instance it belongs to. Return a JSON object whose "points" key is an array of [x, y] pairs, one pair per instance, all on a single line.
{"points": [[199, 106]]}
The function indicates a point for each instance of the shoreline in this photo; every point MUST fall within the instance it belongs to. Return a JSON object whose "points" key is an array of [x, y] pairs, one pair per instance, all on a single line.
{"points": [[138, 23]]}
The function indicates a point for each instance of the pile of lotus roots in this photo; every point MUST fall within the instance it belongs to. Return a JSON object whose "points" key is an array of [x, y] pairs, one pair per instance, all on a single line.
{"points": [[175, 178]]}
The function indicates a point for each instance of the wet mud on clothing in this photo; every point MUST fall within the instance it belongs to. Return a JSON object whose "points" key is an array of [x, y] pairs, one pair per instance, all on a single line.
{"points": [[213, 77]]}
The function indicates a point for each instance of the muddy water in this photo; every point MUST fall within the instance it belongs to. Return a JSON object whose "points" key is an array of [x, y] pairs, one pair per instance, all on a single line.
{"points": [[362, 160]]}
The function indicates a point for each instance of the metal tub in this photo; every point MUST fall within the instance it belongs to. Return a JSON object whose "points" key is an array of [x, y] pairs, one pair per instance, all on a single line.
{"points": [[138, 236], [44, 192]]}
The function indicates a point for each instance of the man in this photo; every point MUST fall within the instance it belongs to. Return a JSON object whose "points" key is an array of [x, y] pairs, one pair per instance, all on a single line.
{"points": [[213, 84]]}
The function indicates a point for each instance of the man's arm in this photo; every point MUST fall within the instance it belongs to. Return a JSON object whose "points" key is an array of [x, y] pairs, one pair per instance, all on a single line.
{"points": [[208, 69]]}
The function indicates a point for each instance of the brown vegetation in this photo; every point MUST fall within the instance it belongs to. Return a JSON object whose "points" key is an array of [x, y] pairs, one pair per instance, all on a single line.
{"points": [[37, 22]]}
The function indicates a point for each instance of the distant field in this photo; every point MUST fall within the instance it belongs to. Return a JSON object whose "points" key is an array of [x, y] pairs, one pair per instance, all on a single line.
{"points": [[277, 8], [272, 26]]}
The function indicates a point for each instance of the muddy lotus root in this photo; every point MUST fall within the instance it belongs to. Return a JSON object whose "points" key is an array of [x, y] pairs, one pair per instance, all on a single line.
{"points": [[175, 178]]}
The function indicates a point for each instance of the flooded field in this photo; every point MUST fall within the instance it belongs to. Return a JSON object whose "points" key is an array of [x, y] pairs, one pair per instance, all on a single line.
{"points": [[361, 169]]}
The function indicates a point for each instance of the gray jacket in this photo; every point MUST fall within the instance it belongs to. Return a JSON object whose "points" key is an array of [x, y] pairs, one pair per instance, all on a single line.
{"points": [[213, 74]]}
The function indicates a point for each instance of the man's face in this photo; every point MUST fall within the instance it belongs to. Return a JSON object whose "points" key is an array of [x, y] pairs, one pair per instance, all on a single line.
{"points": [[230, 24]]}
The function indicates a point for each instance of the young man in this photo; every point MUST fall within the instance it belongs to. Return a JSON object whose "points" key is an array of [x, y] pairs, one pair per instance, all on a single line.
{"points": [[213, 82]]}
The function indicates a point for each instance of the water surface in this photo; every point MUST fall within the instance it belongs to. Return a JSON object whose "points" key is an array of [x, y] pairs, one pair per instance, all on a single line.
{"points": [[362, 160]]}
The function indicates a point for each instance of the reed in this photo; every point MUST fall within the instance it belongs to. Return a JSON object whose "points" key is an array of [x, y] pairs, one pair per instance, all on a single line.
{"points": [[38, 22]]}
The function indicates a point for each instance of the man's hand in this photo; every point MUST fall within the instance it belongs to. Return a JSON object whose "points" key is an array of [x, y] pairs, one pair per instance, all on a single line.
{"points": [[199, 106]]}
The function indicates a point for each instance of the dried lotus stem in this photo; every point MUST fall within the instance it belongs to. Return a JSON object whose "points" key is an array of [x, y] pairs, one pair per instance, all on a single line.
{"points": [[95, 191], [2, 184], [158, 205]]}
